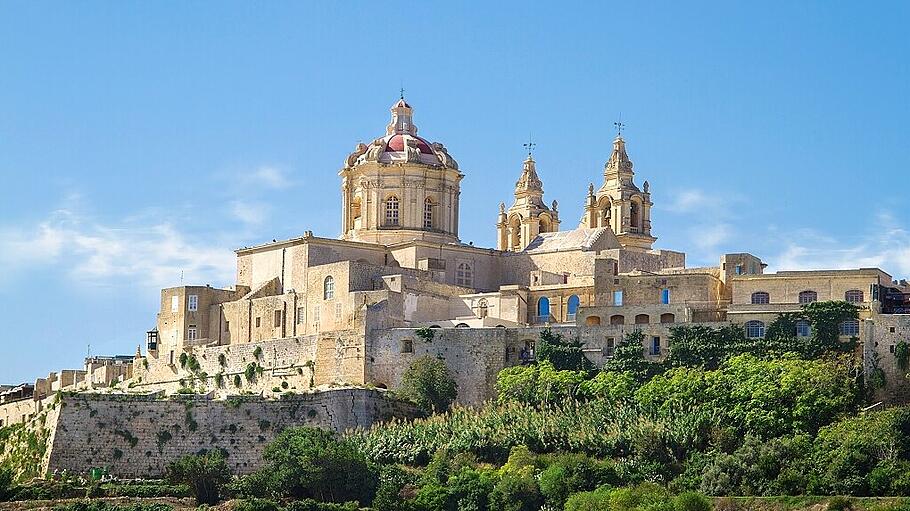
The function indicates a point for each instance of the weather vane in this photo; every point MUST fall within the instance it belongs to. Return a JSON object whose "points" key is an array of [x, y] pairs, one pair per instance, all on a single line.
{"points": [[529, 146], [402, 93], [619, 126]]}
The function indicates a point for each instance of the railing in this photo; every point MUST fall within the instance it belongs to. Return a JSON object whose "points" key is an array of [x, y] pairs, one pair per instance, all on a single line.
{"points": [[570, 318], [543, 319]]}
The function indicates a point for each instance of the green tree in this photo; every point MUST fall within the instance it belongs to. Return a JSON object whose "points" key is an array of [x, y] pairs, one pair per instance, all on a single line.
{"points": [[205, 473], [429, 384], [571, 473], [564, 355], [315, 463]]}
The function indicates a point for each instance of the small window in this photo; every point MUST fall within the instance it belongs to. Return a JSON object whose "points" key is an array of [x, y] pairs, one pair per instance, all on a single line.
{"points": [[803, 328], [592, 320], [193, 303], [611, 347], [191, 333], [850, 327], [482, 308], [808, 297], [642, 319], [891, 348], [739, 269], [668, 317], [761, 297], [464, 274], [853, 296], [338, 311], [391, 211], [328, 288], [755, 329], [258, 321], [175, 304], [301, 314], [617, 297], [655, 346], [462, 325], [407, 346], [665, 296], [277, 322], [428, 214], [316, 314], [617, 319]]}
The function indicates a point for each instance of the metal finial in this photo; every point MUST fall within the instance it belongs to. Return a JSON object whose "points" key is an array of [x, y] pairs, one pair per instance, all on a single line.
{"points": [[619, 126], [529, 146], [402, 93]]}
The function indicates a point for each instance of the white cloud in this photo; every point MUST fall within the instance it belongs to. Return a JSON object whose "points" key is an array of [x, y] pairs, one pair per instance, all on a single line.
{"points": [[248, 212], [886, 246], [92, 253], [708, 237], [268, 177]]}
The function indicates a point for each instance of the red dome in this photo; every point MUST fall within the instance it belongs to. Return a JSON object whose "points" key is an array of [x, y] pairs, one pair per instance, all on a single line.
{"points": [[396, 143]]}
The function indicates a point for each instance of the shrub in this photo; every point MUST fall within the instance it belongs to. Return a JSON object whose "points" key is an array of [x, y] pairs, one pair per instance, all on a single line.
{"points": [[395, 490], [314, 463], [254, 504], [428, 383], [564, 355], [597, 500], [573, 473], [7, 487], [691, 501], [205, 473]]}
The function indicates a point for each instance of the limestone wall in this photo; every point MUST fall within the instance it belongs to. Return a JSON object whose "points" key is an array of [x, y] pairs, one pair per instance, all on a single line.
{"points": [[138, 436], [882, 334]]}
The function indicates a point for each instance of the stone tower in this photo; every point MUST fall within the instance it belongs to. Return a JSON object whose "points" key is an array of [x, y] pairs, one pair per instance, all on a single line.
{"points": [[619, 204], [529, 215], [400, 187]]}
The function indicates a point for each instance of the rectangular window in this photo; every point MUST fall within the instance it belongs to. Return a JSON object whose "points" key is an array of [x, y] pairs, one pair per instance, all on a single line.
{"points": [[739, 269], [191, 333], [192, 303], [316, 315], [617, 298], [665, 296], [655, 345], [337, 312], [611, 346], [175, 303], [464, 274], [301, 314], [277, 321], [258, 321], [407, 346]]}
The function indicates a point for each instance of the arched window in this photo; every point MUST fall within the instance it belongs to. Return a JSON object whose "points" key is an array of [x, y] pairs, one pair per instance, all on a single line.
{"points": [[573, 307], [853, 296], [544, 223], [755, 329], [642, 319], [808, 297], [328, 288], [392, 211], [464, 274], [617, 319], [668, 317], [482, 308], [605, 215], [462, 325], [803, 328], [635, 216], [515, 232], [592, 320], [428, 213], [850, 327], [355, 212], [761, 297], [543, 310]]}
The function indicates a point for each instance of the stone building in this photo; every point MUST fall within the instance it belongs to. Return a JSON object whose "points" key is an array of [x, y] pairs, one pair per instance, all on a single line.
{"points": [[315, 312]]}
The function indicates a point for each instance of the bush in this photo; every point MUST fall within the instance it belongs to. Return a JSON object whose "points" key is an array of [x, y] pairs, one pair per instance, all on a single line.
{"points": [[313, 463], [255, 504], [597, 500], [517, 488], [691, 501], [206, 474], [573, 473], [395, 490], [7, 486], [428, 383]]}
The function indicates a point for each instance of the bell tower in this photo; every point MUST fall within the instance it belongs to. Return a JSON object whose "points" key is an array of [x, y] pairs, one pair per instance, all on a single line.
{"points": [[529, 215], [619, 204]]}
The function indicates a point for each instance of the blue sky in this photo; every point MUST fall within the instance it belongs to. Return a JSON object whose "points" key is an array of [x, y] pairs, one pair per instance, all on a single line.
{"points": [[144, 140]]}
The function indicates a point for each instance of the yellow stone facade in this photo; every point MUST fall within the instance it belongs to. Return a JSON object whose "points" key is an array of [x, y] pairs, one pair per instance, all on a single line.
{"points": [[311, 312]]}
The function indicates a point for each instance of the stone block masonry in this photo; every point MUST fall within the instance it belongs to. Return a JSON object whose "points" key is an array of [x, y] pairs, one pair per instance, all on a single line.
{"points": [[138, 436]]}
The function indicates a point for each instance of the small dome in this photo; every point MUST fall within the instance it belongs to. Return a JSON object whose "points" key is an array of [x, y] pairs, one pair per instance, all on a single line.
{"points": [[397, 144]]}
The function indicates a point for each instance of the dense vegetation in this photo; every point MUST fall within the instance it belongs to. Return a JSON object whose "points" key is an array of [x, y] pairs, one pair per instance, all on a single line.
{"points": [[723, 415]]}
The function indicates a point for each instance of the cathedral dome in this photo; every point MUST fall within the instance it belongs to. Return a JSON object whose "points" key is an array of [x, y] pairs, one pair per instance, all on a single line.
{"points": [[401, 144]]}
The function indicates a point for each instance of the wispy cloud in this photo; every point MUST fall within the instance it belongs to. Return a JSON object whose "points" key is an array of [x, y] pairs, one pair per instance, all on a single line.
{"points": [[250, 212], [104, 254], [266, 177], [885, 246]]}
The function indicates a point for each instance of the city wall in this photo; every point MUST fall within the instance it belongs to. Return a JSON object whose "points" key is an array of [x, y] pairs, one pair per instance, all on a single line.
{"points": [[137, 436]]}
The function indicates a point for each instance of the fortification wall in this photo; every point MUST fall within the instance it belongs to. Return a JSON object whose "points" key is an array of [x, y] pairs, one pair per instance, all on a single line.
{"points": [[137, 436], [882, 334]]}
